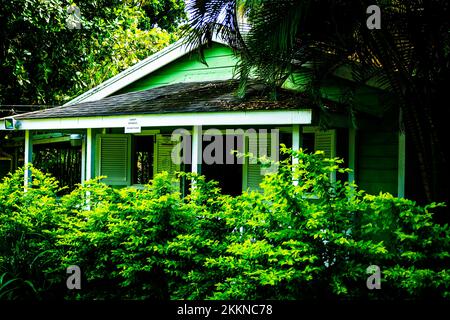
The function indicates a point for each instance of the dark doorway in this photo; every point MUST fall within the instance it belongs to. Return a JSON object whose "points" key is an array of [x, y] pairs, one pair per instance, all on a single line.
{"points": [[229, 177], [228, 173], [143, 159]]}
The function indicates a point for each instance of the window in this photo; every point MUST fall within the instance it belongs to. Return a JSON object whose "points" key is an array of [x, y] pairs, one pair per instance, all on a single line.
{"points": [[127, 159]]}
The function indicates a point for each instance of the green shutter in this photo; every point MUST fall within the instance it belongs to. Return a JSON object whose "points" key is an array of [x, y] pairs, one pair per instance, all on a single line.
{"points": [[114, 158], [326, 141], [255, 171], [164, 147]]}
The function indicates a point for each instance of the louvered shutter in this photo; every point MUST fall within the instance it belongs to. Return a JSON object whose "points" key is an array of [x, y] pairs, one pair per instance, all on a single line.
{"points": [[258, 147], [325, 141], [113, 158], [164, 161]]}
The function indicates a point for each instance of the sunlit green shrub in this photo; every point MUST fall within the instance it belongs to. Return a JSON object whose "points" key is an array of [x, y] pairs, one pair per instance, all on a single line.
{"points": [[117, 237], [305, 236], [312, 239], [28, 224]]}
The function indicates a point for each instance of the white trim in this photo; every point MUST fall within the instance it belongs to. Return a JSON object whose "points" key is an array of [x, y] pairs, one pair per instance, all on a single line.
{"points": [[83, 159], [89, 153], [401, 164], [89, 164], [274, 117], [28, 157], [296, 145], [197, 149], [138, 71]]}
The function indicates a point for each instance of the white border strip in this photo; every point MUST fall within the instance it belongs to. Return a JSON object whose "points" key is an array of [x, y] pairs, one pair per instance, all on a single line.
{"points": [[275, 117]]}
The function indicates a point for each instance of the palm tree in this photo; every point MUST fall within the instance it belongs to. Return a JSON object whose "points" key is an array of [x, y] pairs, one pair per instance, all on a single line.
{"points": [[408, 57]]}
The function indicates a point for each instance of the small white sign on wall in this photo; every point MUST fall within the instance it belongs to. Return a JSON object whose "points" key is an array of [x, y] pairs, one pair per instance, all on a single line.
{"points": [[132, 126]]}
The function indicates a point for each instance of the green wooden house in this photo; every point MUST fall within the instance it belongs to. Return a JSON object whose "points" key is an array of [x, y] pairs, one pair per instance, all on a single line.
{"points": [[122, 128]]}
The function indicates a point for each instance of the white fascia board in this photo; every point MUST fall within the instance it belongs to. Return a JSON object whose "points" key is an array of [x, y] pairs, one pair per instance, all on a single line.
{"points": [[237, 118], [139, 70]]}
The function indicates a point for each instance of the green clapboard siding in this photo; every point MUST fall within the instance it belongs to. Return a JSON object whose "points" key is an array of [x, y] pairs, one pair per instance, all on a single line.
{"points": [[377, 161], [219, 58]]}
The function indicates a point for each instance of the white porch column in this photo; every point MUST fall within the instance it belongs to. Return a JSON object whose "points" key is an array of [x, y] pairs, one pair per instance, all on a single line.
{"points": [[89, 153], [28, 157], [296, 137], [296, 143], [89, 159], [196, 149], [83, 159]]}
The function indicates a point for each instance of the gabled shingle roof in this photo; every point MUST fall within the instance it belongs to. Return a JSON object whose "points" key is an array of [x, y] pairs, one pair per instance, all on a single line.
{"points": [[180, 98], [144, 67]]}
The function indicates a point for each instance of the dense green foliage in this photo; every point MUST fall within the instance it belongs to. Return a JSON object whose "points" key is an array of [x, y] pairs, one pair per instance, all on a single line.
{"points": [[408, 57], [43, 61], [312, 239]]}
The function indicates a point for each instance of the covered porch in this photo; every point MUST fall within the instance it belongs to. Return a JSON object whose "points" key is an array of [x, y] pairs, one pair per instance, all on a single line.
{"points": [[133, 158], [131, 137]]}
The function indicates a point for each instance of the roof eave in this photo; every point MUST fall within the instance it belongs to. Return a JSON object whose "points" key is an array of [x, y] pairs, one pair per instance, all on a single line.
{"points": [[231, 118]]}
